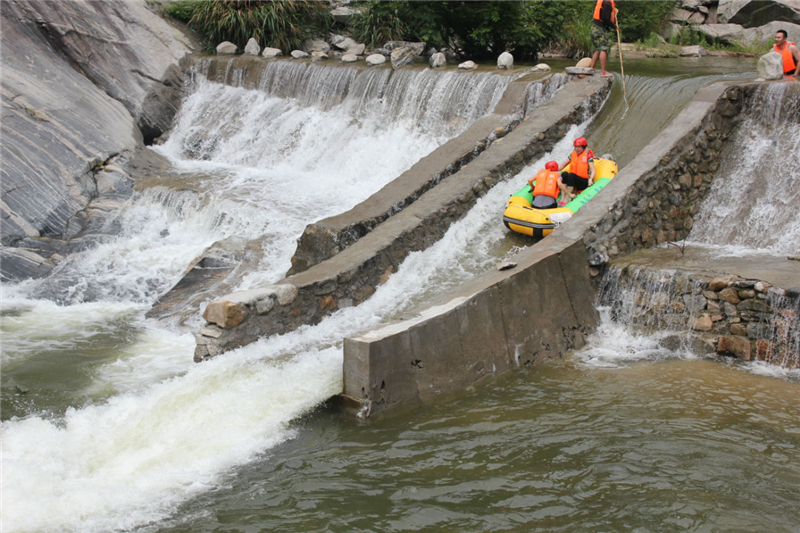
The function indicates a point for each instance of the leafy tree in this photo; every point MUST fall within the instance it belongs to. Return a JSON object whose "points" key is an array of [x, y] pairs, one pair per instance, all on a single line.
{"points": [[639, 18]]}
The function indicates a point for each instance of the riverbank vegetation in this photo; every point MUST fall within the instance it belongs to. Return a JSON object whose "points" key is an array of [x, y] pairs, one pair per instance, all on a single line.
{"points": [[470, 29], [281, 24]]}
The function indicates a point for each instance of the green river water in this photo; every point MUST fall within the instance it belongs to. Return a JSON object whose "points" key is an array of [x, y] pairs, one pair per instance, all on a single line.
{"points": [[621, 437]]}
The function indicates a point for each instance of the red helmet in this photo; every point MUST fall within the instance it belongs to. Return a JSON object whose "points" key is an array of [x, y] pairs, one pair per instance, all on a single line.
{"points": [[551, 165], [580, 141]]}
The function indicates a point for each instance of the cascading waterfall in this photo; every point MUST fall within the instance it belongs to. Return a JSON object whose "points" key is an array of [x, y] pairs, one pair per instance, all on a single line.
{"points": [[128, 430], [111, 450], [750, 211], [752, 207]]}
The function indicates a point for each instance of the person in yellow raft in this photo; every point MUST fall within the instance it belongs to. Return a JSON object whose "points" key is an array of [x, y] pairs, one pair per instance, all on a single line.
{"points": [[581, 170], [789, 52], [545, 191]]}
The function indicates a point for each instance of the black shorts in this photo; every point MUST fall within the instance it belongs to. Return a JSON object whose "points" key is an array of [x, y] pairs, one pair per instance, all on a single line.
{"points": [[573, 180]]}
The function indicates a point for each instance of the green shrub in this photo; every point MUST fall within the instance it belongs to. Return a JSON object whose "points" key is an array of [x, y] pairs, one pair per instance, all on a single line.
{"points": [[281, 24], [475, 29], [378, 22], [180, 9], [687, 36], [639, 18]]}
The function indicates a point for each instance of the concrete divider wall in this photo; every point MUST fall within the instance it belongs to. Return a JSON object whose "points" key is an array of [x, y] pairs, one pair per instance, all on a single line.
{"points": [[542, 308], [327, 237], [351, 276]]}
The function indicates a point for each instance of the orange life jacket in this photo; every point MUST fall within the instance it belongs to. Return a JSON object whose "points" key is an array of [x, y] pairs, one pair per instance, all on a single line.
{"points": [[788, 61], [598, 6], [546, 183], [580, 164]]}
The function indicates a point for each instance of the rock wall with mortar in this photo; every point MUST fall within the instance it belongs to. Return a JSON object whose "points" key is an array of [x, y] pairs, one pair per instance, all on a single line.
{"points": [[729, 315], [660, 205]]}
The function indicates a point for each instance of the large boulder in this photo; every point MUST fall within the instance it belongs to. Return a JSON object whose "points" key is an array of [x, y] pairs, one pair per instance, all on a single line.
{"points": [[770, 66], [725, 33], [252, 48], [226, 48], [438, 60], [270, 52], [375, 59], [316, 45], [403, 56], [341, 42], [342, 14], [751, 13], [736, 34], [418, 47], [505, 61], [766, 33], [82, 82], [358, 49], [693, 51], [685, 16]]}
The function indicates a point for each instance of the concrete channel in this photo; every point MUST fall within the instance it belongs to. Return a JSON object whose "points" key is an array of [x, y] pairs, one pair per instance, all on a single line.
{"points": [[351, 275], [544, 307]]}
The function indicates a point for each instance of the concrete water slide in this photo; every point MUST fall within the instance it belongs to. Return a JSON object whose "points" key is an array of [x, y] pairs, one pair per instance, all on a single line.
{"points": [[428, 198], [543, 307]]}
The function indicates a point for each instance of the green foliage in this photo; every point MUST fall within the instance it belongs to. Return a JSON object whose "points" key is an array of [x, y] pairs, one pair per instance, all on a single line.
{"points": [[639, 18], [687, 36], [378, 22], [281, 24], [474, 29], [180, 9], [564, 25]]}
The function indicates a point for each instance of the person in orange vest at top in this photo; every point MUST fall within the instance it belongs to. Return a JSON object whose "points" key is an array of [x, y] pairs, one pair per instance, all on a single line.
{"points": [[789, 52], [581, 169], [545, 191], [605, 20]]}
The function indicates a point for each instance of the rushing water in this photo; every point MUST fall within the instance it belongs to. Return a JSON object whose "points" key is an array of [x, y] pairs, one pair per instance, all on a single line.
{"points": [[108, 425]]}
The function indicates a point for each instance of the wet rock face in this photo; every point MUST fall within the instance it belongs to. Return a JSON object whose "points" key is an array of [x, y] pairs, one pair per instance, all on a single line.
{"points": [[82, 82]]}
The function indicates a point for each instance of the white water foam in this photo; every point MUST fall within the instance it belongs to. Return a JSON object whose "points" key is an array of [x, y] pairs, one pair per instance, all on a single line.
{"points": [[752, 207], [617, 345], [170, 428], [135, 458]]}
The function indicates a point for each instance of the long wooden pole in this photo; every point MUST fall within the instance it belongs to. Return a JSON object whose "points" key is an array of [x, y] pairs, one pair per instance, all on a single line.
{"points": [[619, 47]]}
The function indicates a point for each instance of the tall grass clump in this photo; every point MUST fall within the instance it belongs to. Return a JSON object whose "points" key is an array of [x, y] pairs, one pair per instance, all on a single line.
{"points": [[280, 24]]}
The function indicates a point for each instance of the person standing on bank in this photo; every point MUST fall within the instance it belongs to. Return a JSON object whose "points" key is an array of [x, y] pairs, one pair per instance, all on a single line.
{"points": [[605, 20], [581, 169], [789, 52]]}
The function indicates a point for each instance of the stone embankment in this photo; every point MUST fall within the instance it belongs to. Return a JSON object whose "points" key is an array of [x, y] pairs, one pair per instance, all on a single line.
{"points": [[746, 318], [544, 307], [352, 275]]}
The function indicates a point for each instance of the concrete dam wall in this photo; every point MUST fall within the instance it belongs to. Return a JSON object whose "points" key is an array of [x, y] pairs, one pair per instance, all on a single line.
{"points": [[417, 219], [544, 306]]}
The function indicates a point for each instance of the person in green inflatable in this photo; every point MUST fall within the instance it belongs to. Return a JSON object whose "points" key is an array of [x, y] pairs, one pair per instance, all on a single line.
{"points": [[581, 170]]}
